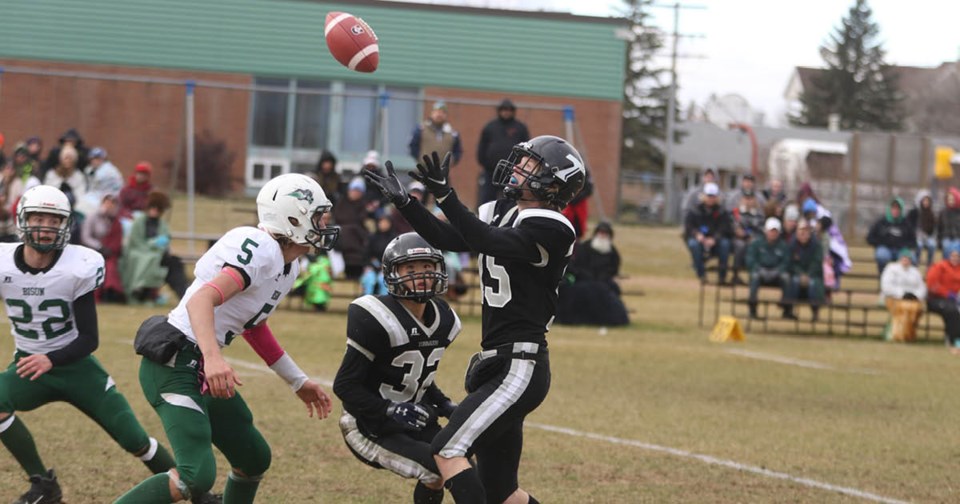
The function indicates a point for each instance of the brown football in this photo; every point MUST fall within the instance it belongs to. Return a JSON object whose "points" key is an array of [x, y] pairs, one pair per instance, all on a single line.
{"points": [[352, 42]]}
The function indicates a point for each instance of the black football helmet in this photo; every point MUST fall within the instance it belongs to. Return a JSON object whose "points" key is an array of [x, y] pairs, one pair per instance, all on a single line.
{"points": [[412, 247], [558, 180]]}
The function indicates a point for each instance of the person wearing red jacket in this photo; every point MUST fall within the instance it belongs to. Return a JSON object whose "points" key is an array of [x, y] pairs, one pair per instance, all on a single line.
{"points": [[943, 283]]}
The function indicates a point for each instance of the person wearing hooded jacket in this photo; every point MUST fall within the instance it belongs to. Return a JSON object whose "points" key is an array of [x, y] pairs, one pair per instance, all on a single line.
{"points": [[326, 175], [891, 233], [948, 223], [924, 221], [72, 138], [496, 140], [943, 284]]}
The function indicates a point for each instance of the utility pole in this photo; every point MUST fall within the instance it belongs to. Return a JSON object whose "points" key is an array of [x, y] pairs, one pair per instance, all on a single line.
{"points": [[670, 215]]}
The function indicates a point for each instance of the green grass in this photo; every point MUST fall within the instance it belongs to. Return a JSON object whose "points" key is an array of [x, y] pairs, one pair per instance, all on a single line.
{"points": [[881, 419]]}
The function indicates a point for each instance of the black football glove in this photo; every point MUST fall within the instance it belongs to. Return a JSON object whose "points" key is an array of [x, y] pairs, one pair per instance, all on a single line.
{"points": [[446, 408], [411, 416], [389, 185], [434, 174]]}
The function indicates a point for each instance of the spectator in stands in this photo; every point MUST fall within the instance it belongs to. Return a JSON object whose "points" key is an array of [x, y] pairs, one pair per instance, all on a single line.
{"points": [[748, 185], [578, 210], [943, 284], [326, 175], [496, 140], [806, 269], [809, 210], [380, 238], [70, 138], [102, 232], [416, 190], [104, 177], [695, 195], [146, 263], [708, 232], [8, 222], [35, 149], [25, 170], [67, 176], [924, 222], [316, 281], [748, 221], [904, 292], [376, 203], [372, 282], [891, 233], [436, 134], [133, 197], [350, 214], [774, 192], [948, 224], [791, 217], [768, 261]]}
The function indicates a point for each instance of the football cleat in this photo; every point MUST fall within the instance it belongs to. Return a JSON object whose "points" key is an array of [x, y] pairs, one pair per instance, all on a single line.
{"points": [[208, 498], [44, 489]]}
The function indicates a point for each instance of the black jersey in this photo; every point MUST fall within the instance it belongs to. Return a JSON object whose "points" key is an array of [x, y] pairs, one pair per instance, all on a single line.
{"points": [[520, 297], [392, 357]]}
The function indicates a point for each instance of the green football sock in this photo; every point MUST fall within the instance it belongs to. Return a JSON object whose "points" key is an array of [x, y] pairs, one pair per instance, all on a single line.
{"points": [[155, 489], [160, 460], [20, 443], [240, 489]]}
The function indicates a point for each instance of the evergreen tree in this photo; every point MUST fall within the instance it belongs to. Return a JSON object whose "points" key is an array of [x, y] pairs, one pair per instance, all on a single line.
{"points": [[857, 84], [644, 96]]}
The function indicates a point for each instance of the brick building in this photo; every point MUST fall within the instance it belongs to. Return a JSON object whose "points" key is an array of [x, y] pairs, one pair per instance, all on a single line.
{"points": [[117, 71]]}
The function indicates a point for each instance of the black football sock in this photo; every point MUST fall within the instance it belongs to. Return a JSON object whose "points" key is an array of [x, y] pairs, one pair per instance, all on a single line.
{"points": [[465, 487], [531, 500], [424, 495]]}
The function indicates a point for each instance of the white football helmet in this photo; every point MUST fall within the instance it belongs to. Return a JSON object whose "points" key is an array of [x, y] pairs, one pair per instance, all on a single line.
{"points": [[49, 200], [292, 206]]}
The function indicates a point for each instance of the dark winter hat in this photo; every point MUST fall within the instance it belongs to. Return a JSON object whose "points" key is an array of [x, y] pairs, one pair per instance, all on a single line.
{"points": [[506, 104], [98, 153], [605, 227], [750, 177]]}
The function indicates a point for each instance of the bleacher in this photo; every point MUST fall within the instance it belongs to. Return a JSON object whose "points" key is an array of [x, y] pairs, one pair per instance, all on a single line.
{"points": [[854, 310]]}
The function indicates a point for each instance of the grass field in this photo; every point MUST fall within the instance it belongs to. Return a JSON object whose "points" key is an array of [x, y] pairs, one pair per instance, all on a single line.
{"points": [[649, 413]]}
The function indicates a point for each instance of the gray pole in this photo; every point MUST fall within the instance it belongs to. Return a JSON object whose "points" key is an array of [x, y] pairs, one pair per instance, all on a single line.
{"points": [[191, 228], [670, 215]]}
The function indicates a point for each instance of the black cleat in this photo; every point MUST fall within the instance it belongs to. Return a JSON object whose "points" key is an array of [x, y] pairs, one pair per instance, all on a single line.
{"points": [[208, 498], [44, 489]]}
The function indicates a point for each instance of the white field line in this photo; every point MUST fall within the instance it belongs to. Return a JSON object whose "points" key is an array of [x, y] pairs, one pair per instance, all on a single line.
{"points": [[253, 366], [750, 354], [718, 461]]}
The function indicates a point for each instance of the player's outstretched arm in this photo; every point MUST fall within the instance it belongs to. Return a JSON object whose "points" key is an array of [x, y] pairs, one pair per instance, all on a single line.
{"points": [[438, 233], [265, 344]]}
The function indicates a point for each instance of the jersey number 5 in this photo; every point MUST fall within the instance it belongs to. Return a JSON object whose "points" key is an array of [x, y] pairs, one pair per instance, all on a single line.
{"points": [[413, 389], [502, 295]]}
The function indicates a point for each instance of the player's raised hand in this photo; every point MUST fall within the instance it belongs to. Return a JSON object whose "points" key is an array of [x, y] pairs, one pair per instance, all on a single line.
{"points": [[411, 416], [316, 399], [389, 185], [33, 366], [221, 378], [434, 174]]}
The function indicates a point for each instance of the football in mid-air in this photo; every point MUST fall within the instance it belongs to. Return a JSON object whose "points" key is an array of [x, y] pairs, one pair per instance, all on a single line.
{"points": [[352, 42]]}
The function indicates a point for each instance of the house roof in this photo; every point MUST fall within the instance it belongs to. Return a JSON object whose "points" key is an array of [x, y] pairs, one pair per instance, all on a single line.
{"points": [[929, 94]]}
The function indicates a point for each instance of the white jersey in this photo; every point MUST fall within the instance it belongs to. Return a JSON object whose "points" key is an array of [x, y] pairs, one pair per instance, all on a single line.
{"points": [[258, 256], [40, 305]]}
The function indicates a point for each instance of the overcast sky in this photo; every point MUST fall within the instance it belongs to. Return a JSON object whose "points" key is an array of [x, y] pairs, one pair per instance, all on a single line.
{"points": [[749, 47]]}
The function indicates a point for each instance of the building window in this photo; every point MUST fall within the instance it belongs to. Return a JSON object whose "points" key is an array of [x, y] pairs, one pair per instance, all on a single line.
{"points": [[402, 116], [311, 115], [359, 117], [270, 114], [260, 170]]}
